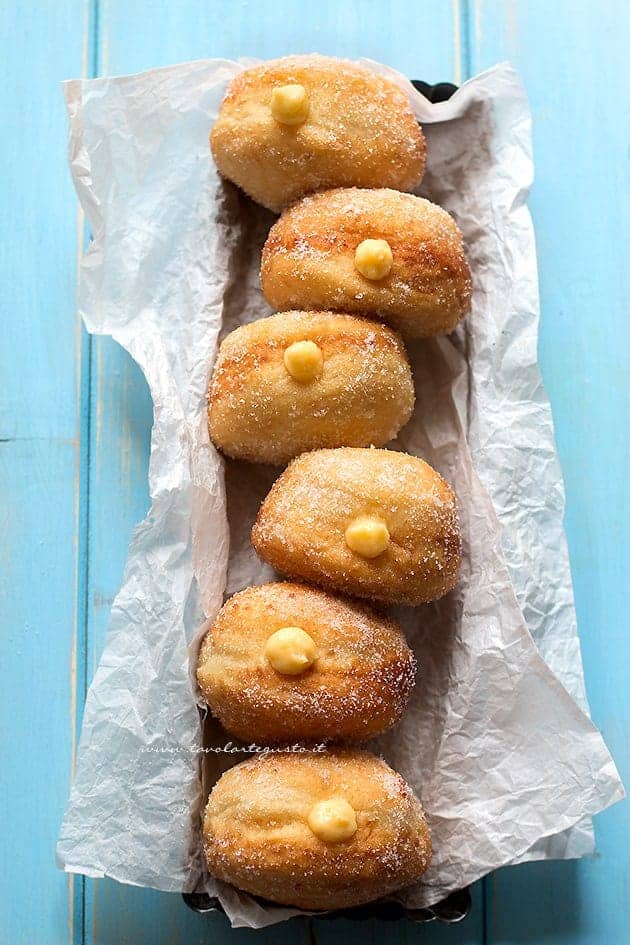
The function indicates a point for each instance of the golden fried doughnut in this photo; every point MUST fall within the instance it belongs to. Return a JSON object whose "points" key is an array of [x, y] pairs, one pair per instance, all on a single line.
{"points": [[370, 252], [285, 662], [297, 381], [371, 523], [317, 830], [304, 123]]}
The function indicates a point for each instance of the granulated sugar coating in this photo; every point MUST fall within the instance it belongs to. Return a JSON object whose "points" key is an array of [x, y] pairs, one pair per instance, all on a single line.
{"points": [[360, 131], [358, 686], [256, 832], [308, 260], [300, 528], [362, 396]]}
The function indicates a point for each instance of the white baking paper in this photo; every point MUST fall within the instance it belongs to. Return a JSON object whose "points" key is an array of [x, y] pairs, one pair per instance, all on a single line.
{"points": [[496, 742]]}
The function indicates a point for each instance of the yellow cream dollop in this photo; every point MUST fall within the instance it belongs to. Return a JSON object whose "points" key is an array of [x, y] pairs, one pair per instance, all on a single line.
{"points": [[290, 651], [374, 259], [333, 820], [367, 536], [289, 104], [303, 360]]}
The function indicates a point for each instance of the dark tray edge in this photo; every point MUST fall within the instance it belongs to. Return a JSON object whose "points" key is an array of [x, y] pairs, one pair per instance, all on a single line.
{"points": [[449, 911]]}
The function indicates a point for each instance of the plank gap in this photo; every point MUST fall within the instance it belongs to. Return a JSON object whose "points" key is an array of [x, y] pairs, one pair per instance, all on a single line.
{"points": [[466, 28], [90, 71]]}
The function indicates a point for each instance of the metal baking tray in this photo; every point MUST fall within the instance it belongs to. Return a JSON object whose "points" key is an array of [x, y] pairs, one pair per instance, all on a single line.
{"points": [[450, 910]]}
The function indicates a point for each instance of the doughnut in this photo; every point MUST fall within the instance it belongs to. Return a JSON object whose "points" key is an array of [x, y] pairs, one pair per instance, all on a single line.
{"points": [[366, 522], [285, 663], [297, 381], [319, 830], [370, 252], [304, 123]]}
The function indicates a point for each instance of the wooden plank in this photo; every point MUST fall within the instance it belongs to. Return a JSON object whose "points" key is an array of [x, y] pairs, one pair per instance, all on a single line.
{"points": [[422, 41], [42, 459], [574, 62], [122, 914]]}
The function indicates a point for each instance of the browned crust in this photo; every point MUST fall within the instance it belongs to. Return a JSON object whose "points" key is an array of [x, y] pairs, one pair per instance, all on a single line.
{"points": [[257, 838], [308, 259], [358, 687], [264, 341], [300, 526], [259, 413], [361, 131]]}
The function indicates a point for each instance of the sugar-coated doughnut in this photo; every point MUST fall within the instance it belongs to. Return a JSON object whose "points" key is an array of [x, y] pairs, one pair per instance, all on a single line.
{"points": [[297, 381], [285, 662], [367, 522], [316, 830], [370, 252], [292, 126]]}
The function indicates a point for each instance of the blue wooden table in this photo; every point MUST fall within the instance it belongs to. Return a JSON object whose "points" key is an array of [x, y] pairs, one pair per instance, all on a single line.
{"points": [[75, 418]]}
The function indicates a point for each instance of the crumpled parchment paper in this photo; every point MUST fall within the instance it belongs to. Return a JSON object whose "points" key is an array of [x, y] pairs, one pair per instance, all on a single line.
{"points": [[497, 741]]}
